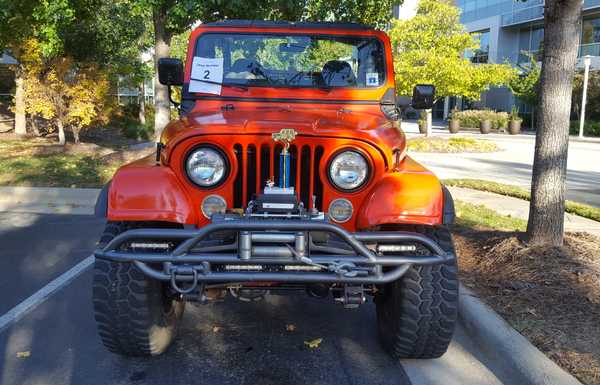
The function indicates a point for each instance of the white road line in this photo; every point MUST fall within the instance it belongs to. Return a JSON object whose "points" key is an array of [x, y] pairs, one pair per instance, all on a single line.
{"points": [[44, 293]]}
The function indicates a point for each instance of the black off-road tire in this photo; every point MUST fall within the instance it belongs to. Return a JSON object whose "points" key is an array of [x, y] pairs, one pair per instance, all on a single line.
{"points": [[417, 313], [136, 315]]}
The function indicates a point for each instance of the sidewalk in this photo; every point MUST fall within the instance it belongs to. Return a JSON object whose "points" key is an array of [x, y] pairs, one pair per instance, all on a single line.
{"points": [[48, 200], [519, 208]]}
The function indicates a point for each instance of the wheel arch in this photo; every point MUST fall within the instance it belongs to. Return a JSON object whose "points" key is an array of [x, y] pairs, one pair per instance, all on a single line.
{"points": [[144, 191], [411, 195]]}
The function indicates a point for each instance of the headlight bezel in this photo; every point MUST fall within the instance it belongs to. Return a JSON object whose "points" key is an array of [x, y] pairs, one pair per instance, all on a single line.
{"points": [[218, 150], [368, 174]]}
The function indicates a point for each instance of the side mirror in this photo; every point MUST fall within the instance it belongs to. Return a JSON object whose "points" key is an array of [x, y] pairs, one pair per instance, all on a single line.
{"points": [[170, 71], [423, 96]]}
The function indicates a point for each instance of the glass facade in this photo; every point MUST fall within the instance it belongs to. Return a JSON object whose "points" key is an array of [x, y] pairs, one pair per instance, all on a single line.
{"points": [[590, 37], [481, 54], [480, 9], [531, 42]]}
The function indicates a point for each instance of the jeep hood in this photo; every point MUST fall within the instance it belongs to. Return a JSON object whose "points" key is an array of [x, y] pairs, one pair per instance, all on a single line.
{"points": [[369, 126]]}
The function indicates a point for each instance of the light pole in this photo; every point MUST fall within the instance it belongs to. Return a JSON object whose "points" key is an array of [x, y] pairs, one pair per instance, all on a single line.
{"points": [[587, 60]]}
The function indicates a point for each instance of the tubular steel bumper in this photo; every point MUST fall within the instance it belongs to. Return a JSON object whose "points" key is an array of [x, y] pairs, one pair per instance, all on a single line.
{"points": [[357, 262]]}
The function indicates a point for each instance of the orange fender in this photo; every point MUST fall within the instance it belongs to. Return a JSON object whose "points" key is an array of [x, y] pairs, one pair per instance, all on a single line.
{"points": [[411, 195], [143, 191]]}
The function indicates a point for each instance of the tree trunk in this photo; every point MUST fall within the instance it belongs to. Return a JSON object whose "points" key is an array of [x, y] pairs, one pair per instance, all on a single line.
{"points": [[162, 41], [34, 125], [562, 23], [20, 117], [142, 104], [76, 131], [61, 132]]}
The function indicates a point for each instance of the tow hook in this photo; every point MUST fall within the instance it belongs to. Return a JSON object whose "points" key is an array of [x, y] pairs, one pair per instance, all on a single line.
{"points": [[352, 297], [178, 271]]}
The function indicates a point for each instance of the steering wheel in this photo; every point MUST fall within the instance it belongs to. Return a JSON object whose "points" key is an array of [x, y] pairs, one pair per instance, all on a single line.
{"points": [[296, 77]]}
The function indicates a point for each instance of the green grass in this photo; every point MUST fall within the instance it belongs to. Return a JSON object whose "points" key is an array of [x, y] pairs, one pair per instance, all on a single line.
{"points": [[470, 215], [451, 145], [22, 163], [571, 207]]}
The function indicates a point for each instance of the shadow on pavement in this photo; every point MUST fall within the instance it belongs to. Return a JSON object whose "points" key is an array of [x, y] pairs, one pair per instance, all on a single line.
{"points": [[249, 346]]}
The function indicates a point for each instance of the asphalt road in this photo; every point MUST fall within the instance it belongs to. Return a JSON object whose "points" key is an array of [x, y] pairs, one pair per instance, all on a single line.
{"points": [[228, 342]]}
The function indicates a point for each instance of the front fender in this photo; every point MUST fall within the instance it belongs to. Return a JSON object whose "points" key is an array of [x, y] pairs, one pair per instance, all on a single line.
{"points": [[411, 195], [144, 191]]}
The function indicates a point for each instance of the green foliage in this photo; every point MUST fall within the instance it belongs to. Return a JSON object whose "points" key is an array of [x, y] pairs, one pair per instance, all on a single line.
{"points": [[480, 216], [22, 165], [451, 145], [429, 48], [126, 118], [576, 208], [473, 118], [87, 30], [371, 12], [180, 15], [590, 128], [179, 45], [526, 85], [592, 108], [514, 114], [68, 93]]}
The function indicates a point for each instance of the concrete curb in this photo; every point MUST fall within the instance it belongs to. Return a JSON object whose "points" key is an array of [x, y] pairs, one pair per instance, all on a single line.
{"points": [[507, 347], [48, 200]]}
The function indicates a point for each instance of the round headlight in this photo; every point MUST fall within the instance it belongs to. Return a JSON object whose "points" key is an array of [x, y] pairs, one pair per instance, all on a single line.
{"points": [[340, 210], [349, 170], [205, 166], [213, 204]]}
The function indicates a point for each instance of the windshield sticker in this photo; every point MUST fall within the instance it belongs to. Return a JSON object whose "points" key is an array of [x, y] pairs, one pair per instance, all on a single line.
{"points": [[207, 75], [372, 79]]}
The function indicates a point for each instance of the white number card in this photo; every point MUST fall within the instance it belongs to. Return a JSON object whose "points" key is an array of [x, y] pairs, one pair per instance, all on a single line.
{"points": [[207, 75]]}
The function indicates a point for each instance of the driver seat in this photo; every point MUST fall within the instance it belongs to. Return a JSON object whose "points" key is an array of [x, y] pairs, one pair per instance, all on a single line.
{"points": [[338, 73]]}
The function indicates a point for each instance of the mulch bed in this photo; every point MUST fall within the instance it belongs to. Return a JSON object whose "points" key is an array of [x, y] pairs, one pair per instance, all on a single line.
{"points": [[549, 294]]}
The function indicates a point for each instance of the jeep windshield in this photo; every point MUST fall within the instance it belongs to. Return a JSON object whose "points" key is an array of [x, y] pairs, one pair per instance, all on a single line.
{"points": [[295, 60]]}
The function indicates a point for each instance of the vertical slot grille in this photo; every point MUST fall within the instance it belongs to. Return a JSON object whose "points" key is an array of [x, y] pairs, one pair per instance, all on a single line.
{"points": [[237, 183], [258, 163], [318, 184], [252, 172], [305, 174]]}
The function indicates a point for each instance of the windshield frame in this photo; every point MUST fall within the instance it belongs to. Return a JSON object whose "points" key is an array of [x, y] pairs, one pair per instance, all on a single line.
{"points": [[384, 74]]}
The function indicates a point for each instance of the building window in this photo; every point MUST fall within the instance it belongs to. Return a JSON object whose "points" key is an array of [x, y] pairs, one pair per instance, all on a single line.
{"points": [[590, 37], [481, 54], [531, 42]]}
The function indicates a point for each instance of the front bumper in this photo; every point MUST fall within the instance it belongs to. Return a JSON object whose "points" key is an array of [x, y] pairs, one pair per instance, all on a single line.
{"points": [[267, 250]]}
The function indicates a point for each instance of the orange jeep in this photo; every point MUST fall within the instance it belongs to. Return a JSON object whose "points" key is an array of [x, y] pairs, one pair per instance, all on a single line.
{"points": [[287, 170]]}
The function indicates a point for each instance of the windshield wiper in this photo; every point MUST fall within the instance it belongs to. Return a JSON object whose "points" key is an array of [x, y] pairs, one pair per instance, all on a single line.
{"points": [[243, 88]]}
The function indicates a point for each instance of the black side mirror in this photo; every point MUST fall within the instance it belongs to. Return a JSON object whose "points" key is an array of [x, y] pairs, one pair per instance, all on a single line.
{"points": [[170, 71], [423, 96]]}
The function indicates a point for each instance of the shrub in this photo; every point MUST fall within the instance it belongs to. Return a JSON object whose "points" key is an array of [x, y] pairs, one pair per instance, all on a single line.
{"points": [[126, 118], [472, 118], [591, 128]]}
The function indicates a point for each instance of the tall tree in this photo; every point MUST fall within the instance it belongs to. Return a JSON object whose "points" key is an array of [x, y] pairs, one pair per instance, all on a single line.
{"points": [[105, 32], [430, 47], [16, 22], [562, 25]]}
